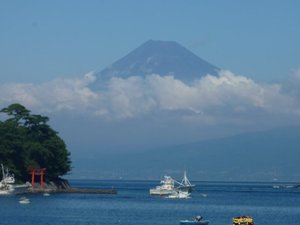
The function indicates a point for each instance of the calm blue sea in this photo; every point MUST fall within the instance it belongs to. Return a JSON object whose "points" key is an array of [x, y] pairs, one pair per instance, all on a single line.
{"points": [[133, 205]]}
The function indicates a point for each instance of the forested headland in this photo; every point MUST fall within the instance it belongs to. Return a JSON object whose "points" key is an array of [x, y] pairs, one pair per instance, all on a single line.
{"points": [[27, 141]]}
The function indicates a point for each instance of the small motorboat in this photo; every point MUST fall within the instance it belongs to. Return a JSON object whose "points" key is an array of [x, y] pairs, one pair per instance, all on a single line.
{"points": [[243, 220], [24, 200], [186, 222], [197, 220]]}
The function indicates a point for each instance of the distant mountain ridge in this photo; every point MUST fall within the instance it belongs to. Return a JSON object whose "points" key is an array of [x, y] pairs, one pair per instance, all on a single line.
{"points": [[260, 156], [160, 57]]}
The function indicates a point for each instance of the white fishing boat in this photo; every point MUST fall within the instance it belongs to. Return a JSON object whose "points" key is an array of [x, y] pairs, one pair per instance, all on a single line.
{"points": [[167, 187], [7, 184], [170, 186]]}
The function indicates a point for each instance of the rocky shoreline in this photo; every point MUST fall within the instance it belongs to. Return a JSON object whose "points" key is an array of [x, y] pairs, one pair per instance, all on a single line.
{"points": [[63, 186]]}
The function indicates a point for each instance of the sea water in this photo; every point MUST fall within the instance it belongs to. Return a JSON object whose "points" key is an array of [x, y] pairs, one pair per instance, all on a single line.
{"points": [[267, 203]]}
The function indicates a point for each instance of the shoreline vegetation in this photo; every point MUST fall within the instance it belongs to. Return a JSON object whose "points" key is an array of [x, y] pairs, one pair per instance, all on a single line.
{"points": [[29, 147], [28, 143]]}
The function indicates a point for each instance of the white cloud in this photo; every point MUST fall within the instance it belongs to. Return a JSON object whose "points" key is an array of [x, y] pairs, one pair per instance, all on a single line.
{"points": [[210, 100], [292, 86], [53, 96], [210, 95]]}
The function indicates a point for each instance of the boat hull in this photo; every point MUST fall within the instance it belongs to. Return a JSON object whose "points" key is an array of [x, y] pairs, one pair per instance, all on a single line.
{"points": [[14, 189], [186, 188], [179, 194], [161, 192], [6, 189], [5, 192], [190, 222]]}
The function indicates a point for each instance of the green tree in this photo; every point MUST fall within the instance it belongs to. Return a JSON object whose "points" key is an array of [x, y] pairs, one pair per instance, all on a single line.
{"points": [[27, 141]]}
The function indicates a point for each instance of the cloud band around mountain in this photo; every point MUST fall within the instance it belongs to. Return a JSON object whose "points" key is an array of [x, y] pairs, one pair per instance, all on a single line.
{"points": [[210, 99]]}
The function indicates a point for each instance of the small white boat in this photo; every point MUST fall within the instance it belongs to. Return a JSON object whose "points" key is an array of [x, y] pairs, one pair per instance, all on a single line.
{"points": [[197, 220], [243, 220], [46, 194], [189, 222], [24, 200]]}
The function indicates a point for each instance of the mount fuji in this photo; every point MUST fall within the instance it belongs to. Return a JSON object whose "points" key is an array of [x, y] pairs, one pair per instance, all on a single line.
{"points": [[160, 57]]}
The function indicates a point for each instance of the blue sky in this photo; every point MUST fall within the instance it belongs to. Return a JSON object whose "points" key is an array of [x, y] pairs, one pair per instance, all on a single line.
{"points": [[43, 40], [49, 50]]}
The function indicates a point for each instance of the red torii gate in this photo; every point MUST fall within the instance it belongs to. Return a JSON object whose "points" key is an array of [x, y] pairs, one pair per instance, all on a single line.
{"points": [[40, 172]]}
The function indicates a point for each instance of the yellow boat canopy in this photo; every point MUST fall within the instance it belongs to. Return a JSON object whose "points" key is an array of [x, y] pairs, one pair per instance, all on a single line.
{"points": [[243, 220]]}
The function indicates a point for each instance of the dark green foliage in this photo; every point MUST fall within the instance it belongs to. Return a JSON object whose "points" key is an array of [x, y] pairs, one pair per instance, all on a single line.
{"points": [[27, 141]]}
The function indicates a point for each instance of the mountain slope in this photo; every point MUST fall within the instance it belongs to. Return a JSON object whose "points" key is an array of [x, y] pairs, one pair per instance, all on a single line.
{"points": [[160, 57]]}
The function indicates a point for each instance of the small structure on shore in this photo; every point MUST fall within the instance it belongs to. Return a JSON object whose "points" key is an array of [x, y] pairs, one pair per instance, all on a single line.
{"points": [[58, 185], [40, 172]]}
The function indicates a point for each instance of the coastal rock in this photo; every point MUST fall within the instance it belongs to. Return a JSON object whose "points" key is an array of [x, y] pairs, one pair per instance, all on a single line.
{"points": [[54, 185], [60, 184]]}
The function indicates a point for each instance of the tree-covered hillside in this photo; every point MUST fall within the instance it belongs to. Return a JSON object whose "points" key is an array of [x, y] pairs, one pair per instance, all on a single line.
{"points": [[27, 141]]}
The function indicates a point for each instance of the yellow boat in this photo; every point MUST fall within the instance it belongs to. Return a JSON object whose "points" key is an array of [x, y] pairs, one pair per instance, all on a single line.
{"points": [[243, 220]]}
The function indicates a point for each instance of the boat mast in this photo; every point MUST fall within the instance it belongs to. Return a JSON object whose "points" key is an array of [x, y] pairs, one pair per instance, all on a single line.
{"points": [[185, 180], [3, 175]]}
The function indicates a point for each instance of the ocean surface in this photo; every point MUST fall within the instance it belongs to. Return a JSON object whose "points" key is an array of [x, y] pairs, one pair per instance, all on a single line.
{"points": [[267, 203]]}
